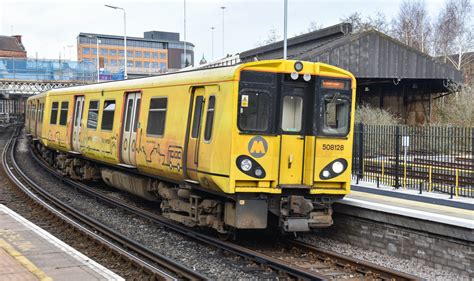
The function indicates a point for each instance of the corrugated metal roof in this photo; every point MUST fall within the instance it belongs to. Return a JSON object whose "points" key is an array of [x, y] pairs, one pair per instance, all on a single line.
{"points": [[368, 54]]}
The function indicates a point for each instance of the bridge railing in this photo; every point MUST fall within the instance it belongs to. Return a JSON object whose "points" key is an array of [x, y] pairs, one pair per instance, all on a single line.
{"points": [[26, 69]]}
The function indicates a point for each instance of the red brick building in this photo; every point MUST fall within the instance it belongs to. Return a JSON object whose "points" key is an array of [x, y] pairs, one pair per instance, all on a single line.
{"points": [[11, 46]]}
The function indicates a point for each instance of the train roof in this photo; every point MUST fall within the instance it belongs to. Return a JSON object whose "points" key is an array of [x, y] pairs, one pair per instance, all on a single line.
{"points": [[198, 76]]}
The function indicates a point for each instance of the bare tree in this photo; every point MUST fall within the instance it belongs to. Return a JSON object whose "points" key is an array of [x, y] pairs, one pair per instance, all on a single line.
{"points": [[412, 25], [454, 33], [359, 24], [272, 37], [313, 26]]}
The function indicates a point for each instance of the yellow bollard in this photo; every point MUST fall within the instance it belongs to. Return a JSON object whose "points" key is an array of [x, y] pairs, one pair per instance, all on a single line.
{"points": [[457, 182], [430, 184], [405, 176]]}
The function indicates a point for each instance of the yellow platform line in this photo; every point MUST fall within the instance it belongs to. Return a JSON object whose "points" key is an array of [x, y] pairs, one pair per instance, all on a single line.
{"points": [[26, 263], [425, 206]]}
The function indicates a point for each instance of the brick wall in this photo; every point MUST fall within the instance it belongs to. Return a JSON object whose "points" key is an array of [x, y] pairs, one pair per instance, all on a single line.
{"points": [[438, 251], [14, 54]]}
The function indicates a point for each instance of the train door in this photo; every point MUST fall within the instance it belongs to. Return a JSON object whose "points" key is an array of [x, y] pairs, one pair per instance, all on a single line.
{"points": [[77, 125], [37, 119], [129, 133], [292, 136], [194, 139]]}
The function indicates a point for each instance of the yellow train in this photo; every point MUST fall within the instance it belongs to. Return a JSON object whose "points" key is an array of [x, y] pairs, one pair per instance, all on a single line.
{"points": [[228, 148]]}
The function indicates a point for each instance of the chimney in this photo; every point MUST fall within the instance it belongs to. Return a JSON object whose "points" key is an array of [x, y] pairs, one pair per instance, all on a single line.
{"points": [[18, 38]]}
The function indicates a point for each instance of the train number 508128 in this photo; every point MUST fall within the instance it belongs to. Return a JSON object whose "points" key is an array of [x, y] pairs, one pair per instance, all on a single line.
{"points": [[333, 147]]}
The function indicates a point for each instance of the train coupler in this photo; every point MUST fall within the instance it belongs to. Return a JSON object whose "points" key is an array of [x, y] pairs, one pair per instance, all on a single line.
{"points": [[297, 214]]}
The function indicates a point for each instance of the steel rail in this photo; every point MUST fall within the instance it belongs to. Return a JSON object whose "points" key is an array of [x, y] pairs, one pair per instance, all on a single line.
{"points": [[180, 270], [260, 258], [363, 267]]}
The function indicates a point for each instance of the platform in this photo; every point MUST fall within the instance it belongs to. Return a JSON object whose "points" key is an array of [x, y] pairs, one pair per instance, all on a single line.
{"points": [[28, 252], [431, 212]]}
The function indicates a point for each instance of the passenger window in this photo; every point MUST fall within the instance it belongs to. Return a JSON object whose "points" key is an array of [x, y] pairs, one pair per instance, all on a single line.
{"points": [[108, 115], [137, 115], [54, 113], [197, 117], [157, 117], [129, 115], [63, 114], [93, 114], [254, 111], [292, 114], [209, 118]]}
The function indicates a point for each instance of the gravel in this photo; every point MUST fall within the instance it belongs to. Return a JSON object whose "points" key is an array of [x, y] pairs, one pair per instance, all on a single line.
{"points": [[404, 265], [207, 260]]}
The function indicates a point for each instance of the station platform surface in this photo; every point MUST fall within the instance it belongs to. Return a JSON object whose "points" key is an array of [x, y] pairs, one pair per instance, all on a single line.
{"points": [[428, 206], [28, 252]]}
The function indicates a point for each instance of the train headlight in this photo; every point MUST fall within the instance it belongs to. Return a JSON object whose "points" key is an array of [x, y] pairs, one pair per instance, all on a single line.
{"points": [[333, 169], [250, 167], [337, 167], [246, 165], [298, 66], [294, 75], [307, 77]]}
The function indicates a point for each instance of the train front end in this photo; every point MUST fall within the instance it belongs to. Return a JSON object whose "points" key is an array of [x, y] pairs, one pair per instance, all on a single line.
{"points": [[292, 146]]}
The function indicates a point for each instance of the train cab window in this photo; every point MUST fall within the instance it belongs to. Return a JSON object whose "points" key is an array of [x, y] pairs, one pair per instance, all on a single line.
{"points": [[108, 115], [255, 110], [157, 117], [54, 113], [63, 114], [209, 118], [292, 114], [336, 114], [93, 114]]}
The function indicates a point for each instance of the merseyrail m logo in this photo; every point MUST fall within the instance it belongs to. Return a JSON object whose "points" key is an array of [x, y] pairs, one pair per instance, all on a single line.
{"points": [[258, 147]]}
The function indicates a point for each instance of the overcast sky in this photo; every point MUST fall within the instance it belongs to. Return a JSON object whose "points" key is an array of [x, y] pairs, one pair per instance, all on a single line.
{"points": [[50, 26]]}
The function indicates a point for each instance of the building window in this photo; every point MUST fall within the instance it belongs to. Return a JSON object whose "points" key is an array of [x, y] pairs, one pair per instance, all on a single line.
{"points": [[121, 62], [129, 54], [108, 115], [209, 118], [162, 65], [113, 52], [86, 60], [138, 54], [162, 56], [94, 51], [130, 63], [106, 61], [86, 51], [154, 65], [104, 52], [146, 64], [138, 64], [146, 54], [121, 53], [93, 114], [54, 113], [63, 114], [154, 55], [157, 117], [113, 62]]}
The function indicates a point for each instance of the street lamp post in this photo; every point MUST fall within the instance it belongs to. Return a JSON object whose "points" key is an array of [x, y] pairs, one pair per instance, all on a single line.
{"points": [[212, 41], [223, 50], [285, 30], [185, 64], [125, 75]]}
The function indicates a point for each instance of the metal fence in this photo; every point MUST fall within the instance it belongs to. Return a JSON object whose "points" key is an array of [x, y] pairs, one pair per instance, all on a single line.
{"points": [[423, 158]]}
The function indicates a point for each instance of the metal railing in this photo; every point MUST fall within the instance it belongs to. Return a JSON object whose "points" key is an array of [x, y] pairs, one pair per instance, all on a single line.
{"points": [[422, 158]]}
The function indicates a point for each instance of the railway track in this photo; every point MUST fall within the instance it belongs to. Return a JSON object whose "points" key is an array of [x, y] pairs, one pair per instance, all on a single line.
{"points": [[135, 255], [308, 262]]}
